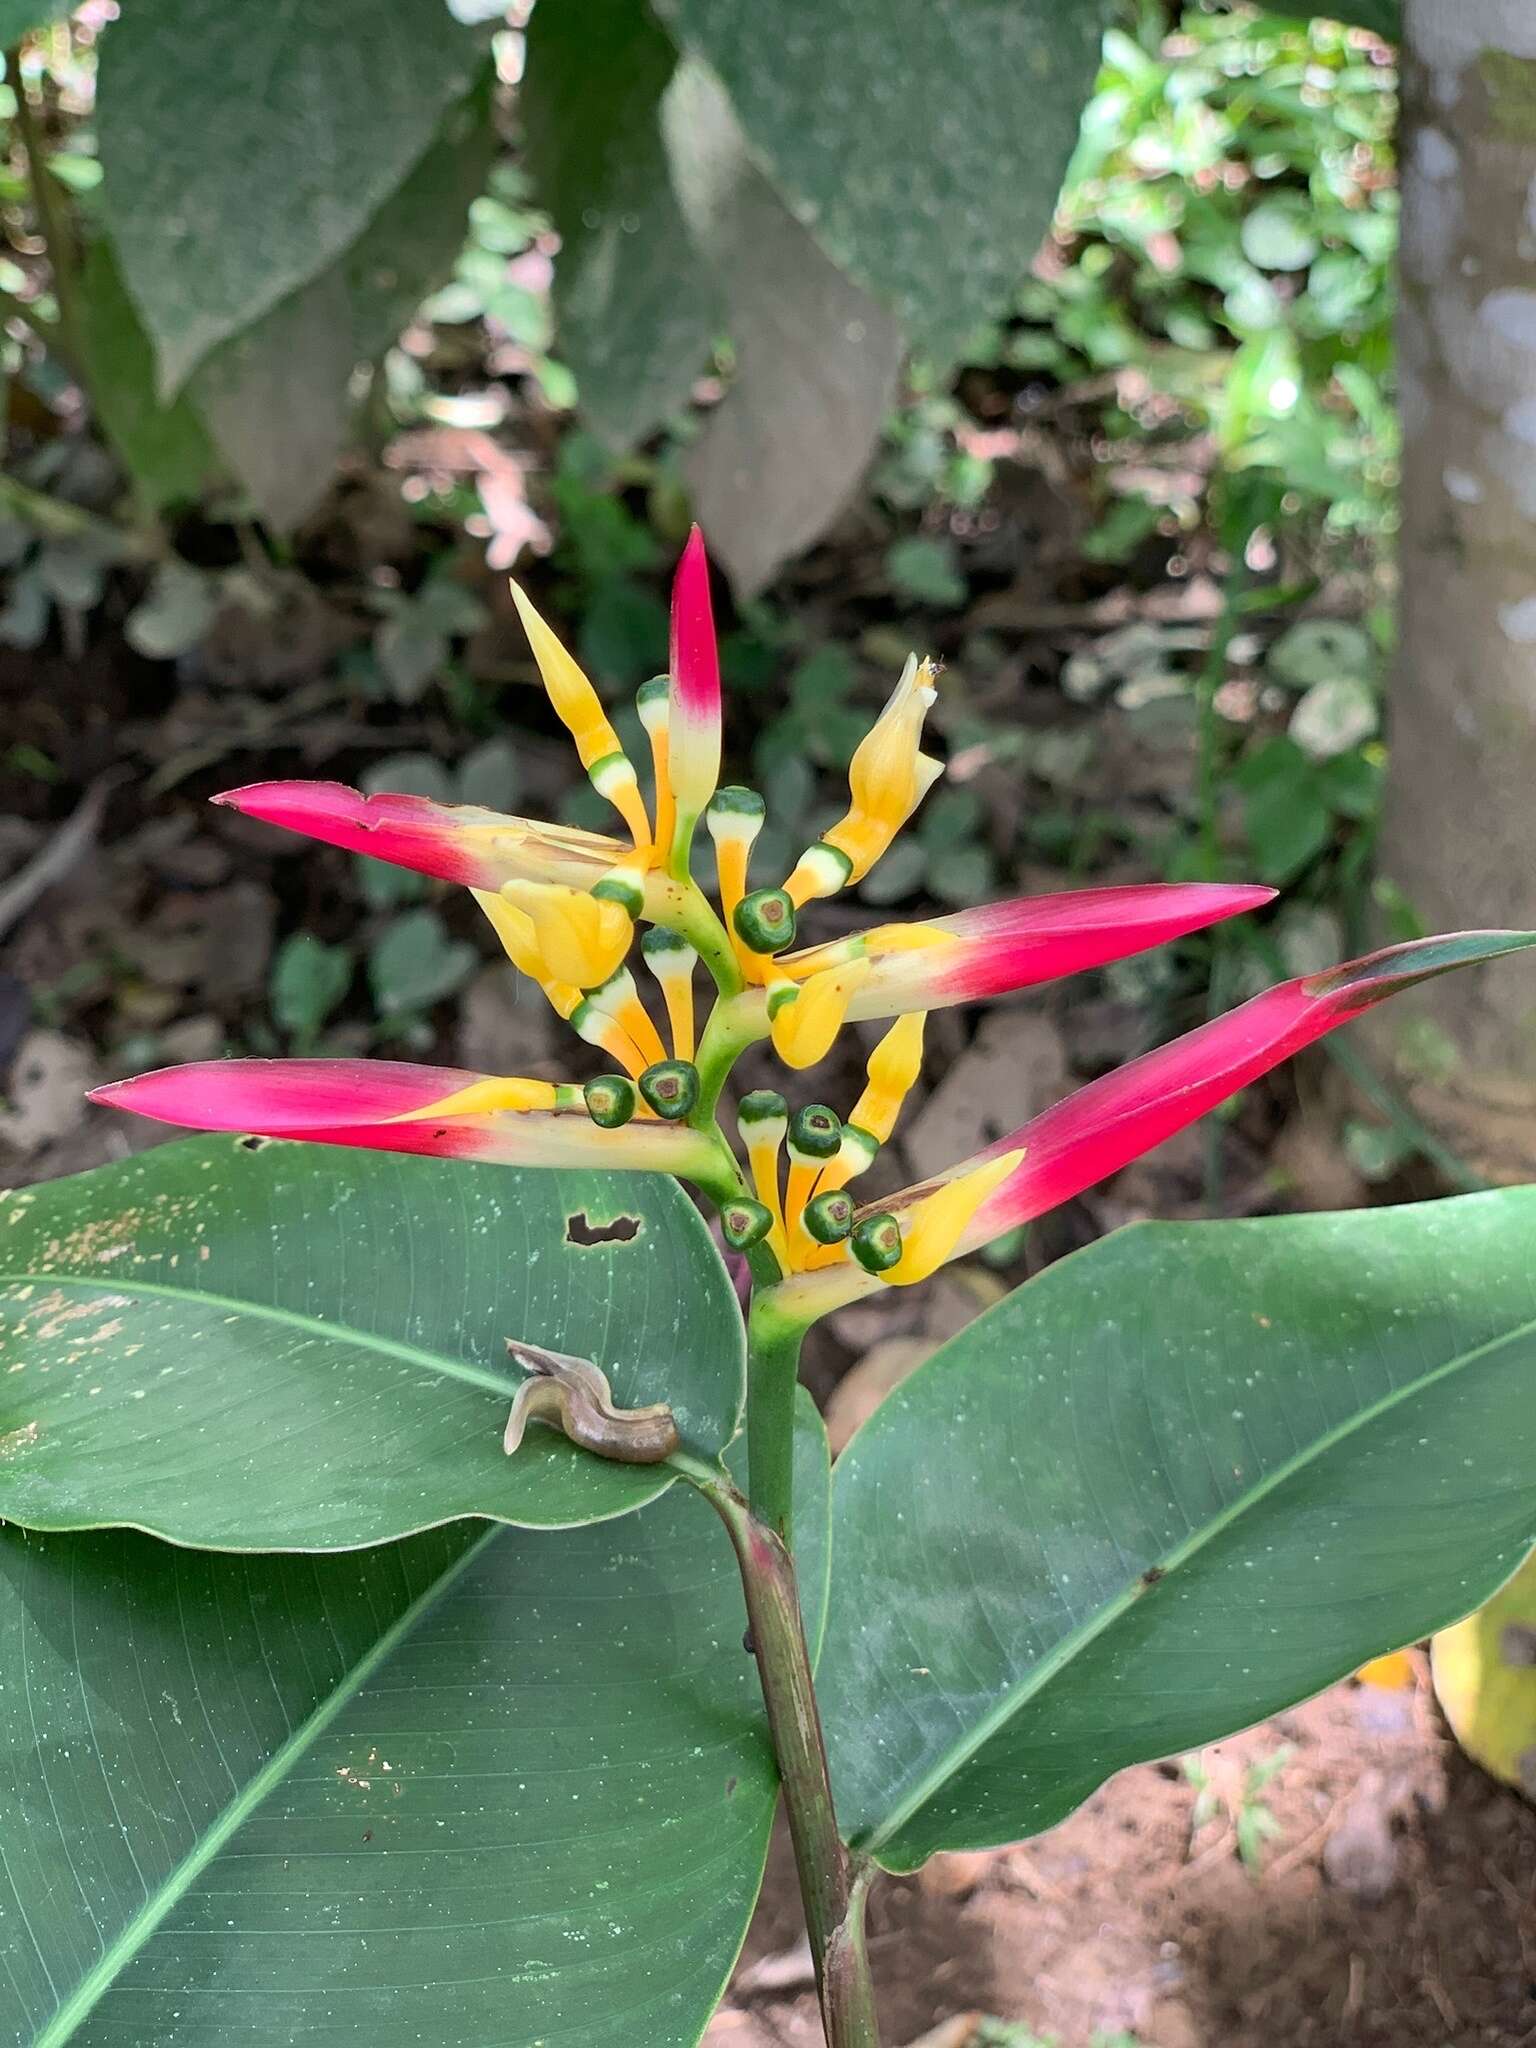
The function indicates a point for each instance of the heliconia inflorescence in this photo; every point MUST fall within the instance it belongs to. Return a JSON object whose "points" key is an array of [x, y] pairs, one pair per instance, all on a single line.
{"points": [[565, 905]]}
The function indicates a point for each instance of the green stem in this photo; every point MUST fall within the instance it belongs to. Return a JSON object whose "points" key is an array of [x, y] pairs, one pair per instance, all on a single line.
{"points": [[57, 519], [847, 1991], [698, 924], [773, 1363], [832, 1897], [734, 1023]]}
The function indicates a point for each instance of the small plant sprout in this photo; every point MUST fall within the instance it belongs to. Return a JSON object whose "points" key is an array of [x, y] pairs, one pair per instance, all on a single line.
{"points": [[1222, 1793], [979, 1569]]}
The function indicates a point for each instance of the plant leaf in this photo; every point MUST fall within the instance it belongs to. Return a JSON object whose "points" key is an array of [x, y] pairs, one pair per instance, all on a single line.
{"points": [[19, 17], [277, 397], [244, 150], [299, 1347], [476, 1786], [164, 446], [636, 306], [1181, 1480], [922, 144], [816, 357]]}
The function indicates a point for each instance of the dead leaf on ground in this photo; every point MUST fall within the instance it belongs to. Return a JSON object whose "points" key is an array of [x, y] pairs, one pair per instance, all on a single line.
{"points": [[958, 2032], [789, 1969], [1360, 1855], [46, 1090], [1015, 1067], [215, 940], [955, 1872], [1313, 1165], [506, 1027]]}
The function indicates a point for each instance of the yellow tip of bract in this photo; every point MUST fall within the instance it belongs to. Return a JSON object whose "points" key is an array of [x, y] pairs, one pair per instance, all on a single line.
{"points": [[895, 1064], [581, 939], [486, 1098], [574, 699], [514, 928], [889, 775], [939, 1220], [803, 1030]]}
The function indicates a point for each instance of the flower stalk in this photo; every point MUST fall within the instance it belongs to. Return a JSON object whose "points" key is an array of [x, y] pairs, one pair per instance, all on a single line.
{"points": [[773, 1365], [832, 1892]]}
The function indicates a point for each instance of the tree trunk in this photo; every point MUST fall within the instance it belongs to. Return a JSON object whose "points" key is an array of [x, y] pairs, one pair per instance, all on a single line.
{"points": [[1460, 831]]}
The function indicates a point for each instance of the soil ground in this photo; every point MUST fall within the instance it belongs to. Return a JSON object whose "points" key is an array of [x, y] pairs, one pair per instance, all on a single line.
{"points": [[1394, 1908]]}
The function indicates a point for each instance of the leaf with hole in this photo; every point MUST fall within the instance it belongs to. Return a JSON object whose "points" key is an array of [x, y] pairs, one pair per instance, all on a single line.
{"points": [[1174, 1484], [299, 1347], [480, 1786]]}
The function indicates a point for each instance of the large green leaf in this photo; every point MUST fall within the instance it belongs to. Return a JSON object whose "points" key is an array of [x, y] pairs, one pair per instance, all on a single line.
{"points": [[474, 1788], [816, 358], [277, 396], [164, 446], [636, 303], [922, 141], [19, 16], [300, 1347], [1182, 1479], [245, 148]]}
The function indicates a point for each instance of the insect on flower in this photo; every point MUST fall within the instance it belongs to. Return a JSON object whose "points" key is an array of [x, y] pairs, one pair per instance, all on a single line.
{"points": [[566, 904]]}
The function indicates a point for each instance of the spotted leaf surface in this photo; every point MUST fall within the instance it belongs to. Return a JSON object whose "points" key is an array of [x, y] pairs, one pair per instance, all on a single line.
{"points": [[298, 1347], [1178, 1482]]}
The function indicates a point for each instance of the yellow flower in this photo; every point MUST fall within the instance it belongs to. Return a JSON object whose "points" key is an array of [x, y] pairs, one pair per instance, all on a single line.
{"points": [[887, 779], [580, 938], [564, 904]]}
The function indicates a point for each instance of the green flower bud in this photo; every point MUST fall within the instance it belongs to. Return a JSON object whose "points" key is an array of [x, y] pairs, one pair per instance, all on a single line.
{"points": [[744, 1224], [815, 1132], [663, 947], [765, 921], [735, 812], [876, 1242], [858, 1150], [829, 1217], [652, 700], [760, 1110], [671, 1087], [610, 1100], [624, 886]]}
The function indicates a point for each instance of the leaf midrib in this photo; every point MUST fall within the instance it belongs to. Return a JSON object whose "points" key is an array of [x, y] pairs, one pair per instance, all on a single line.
{"points": [[294, 1319], [1056, 1660], [100, 1978]]}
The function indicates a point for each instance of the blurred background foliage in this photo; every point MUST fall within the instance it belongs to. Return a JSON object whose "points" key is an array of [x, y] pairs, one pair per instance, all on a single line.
{"points": [[1139, 494]]}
